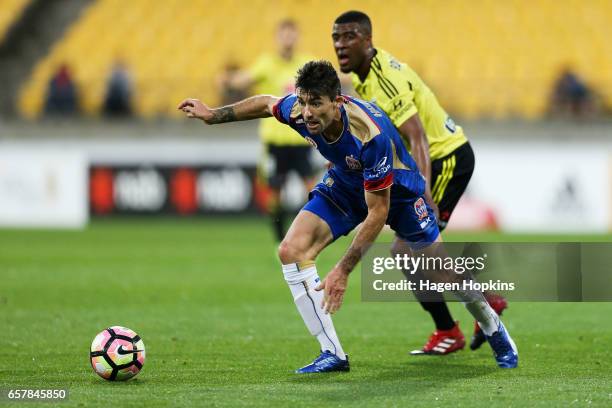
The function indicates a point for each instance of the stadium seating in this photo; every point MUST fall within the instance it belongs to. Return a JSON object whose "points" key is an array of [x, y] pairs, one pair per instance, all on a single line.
{"points": [[10, 10], [483, 58]]}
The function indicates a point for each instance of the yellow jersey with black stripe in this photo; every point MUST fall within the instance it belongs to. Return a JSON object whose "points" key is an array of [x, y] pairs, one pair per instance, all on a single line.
{"points": [[401, 93], [275, 75]]}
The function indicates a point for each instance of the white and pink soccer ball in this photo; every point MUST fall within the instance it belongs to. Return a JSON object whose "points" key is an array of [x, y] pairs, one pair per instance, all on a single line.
{"points": [[117, 353]]}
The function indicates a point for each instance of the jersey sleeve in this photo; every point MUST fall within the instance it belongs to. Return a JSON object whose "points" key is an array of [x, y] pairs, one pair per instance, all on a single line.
{"points": [[282, 109], [377, 161]]}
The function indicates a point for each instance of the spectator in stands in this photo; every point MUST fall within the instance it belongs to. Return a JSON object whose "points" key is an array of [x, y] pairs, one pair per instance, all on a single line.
{"points": [[228, 92], [118, 99], [571, 96], [284, 153], [62, 97]]}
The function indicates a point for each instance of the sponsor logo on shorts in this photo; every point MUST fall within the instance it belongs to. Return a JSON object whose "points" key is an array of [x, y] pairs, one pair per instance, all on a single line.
{"points": [[421, 209], [353, 163], [425, 223], [311, 141]]}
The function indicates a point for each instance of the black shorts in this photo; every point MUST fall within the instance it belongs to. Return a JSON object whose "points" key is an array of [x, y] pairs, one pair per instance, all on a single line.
{"points": [[280, 160], [450, 176]]}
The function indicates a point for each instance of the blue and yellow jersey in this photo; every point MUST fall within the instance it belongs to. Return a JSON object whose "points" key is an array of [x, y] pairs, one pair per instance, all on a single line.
{"points": [[369, 155], [401, 93], [274, 75]]}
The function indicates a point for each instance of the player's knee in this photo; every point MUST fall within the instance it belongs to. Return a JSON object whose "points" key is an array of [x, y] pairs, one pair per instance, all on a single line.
{"points": [[289, 252]]}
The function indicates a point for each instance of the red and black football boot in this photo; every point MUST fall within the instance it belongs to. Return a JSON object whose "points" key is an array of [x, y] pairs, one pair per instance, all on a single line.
{"points": [[442, 342]]}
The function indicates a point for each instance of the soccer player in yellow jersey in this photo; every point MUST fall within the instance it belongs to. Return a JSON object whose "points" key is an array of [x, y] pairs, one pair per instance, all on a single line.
{"points": [[441, 150], [284, 150]]}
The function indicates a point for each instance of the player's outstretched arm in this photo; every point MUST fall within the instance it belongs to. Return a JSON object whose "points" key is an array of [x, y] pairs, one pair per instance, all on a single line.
{"points": [[255, 107], [335, 282]]}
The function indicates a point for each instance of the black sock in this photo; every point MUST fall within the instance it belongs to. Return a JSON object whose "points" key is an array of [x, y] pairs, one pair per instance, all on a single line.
{"points": [[440, 314], [278, 223]]}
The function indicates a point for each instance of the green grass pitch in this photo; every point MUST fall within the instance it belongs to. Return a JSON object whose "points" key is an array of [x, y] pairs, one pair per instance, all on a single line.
{"points": [[209, 300]]}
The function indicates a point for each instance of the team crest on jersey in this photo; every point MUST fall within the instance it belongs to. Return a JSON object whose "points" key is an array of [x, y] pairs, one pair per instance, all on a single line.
{"points": [[395, 64], [420, 208], [329, 181], [311, 141], [353, 163]]}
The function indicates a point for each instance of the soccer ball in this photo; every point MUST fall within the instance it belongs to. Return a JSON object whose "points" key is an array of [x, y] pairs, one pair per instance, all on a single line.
{"points": [[117, 354]]}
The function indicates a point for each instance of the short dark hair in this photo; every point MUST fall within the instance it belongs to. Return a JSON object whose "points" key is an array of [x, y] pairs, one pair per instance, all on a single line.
{"points": [[318, 78], [358, 17], [287, 23]]}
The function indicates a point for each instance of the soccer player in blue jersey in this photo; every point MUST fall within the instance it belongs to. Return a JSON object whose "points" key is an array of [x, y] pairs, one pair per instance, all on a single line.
{"points": [[374, 181]]}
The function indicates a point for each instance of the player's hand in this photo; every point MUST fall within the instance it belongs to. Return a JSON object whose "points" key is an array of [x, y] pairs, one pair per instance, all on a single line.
{"points": [[196, 109], [334, 286]]}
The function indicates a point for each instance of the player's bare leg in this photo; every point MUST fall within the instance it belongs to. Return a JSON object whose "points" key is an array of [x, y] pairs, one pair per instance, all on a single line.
{"points": [[306, 238], [474, 301]]}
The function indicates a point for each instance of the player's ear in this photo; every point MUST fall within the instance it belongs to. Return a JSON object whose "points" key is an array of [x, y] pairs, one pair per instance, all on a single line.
{"points": [[339, 100]]}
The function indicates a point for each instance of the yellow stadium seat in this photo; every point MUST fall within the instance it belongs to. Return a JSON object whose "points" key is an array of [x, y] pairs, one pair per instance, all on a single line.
{"points": [[10, 10], [482, 58]]}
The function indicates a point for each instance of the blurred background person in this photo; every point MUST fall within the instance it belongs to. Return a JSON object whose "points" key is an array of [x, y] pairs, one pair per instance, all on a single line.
{"points": [[571, 96], [229, 93], [62, 96], [118, 99], [284, 151]]}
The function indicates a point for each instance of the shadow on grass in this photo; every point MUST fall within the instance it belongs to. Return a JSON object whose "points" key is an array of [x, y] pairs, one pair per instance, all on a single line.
{"points": [[371, 381], [133, 382]]}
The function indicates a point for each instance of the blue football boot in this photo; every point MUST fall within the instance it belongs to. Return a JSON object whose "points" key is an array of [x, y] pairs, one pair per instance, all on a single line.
{"points": [[325, 363], [504, 349]]}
